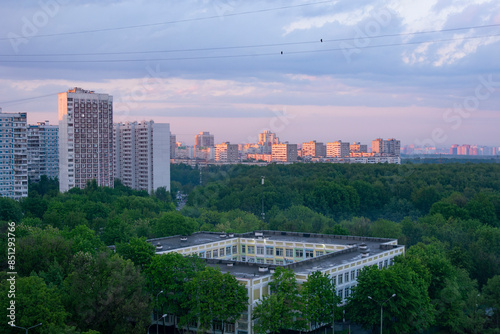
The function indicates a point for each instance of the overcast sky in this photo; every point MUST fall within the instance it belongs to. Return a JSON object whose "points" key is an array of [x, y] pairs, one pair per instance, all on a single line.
{"points": [[425, 72]]}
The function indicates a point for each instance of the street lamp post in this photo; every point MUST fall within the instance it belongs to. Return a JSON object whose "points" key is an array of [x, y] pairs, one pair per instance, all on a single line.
{"points": [[157, 312], [27, 329], [382, 309], [163, 316]]}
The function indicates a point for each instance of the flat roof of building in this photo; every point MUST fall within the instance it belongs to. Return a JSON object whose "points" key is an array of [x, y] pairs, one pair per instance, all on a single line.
{"points": [[247, 270]]}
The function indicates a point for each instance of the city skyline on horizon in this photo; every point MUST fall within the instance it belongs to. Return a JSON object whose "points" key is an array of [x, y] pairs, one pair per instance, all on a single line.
{"points": [[424, 73]]}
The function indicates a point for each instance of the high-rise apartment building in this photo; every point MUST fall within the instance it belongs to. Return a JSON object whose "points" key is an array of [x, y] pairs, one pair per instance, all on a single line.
{"points": [[13, 155], [266, 141], [202, 141], [284, 152], [313, 149], [43, 151], [358, 148], [386, 147], [337, 149], [85, 139], [173, 146], [226, 152], [142, 155]]}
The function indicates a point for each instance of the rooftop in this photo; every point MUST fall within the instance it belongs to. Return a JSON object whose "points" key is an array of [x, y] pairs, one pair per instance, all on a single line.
{"points": [[247, 270]]}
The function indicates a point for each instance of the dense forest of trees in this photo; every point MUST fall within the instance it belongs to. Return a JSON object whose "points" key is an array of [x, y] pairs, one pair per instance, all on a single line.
{"points": [[448, 216]]}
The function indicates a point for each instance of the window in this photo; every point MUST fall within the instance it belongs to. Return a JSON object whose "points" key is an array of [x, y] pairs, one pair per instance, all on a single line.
{"points": [[289, 252], [251, 259], [385, 263], [243, 259], [346, 292], [279, 251], [260, 250], [228, 250], [202, 254], [270, 251], [209, 254], [309, 253], [269, 261], [251, 249], [235, 249], [346, 276], [221, 251], [380, 265], [334, 280], [340, 280], [299, 253], [260, 260], [353, 275], [320, 253], [340, 294], [280, 262], [216, 253], [243, 251], [358, 271]]}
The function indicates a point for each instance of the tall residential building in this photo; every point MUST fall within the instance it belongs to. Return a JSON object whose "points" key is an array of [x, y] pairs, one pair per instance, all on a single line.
{"points": [[142, 155], [226, 152], [284, 152], [202, 141], [453, 149], [13, 155], [85, 139], [266, 141], [463, 149], [173, 146], [43, 151], [337, 149], [386, 147], [313, 149], [358, 148]]}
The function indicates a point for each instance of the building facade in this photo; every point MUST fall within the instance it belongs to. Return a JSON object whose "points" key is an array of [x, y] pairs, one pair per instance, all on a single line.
{"points": [[338, 149], [202, 141], [13, 155], [43, 151], [142, 155], [226, 152], [266, 141], [358, 148], [85, 139], [386, 147], [284, 152], [313, 149], [252, 257]]}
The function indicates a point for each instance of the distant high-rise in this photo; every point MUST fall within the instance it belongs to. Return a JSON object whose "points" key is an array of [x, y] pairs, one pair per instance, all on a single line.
{"points": [[266, 140], [43, 151], [85, 139], [202, 141], [13, 155], [337, 149], [358, 148], [284, 152], [173, 146], [142, 155], [386, 147], [226, 152], [313, 149]]}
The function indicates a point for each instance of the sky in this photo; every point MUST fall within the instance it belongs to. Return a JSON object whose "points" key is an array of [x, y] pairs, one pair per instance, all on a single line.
{"points": [[425, 72]]}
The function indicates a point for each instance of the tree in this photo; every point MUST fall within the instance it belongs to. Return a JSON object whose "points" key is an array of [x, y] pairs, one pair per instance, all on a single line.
{"points": [[173, 223], [491, 298], [107, 293], [10, 210], [214, 298], [282, 306], [411, 307], [34, 303], [169, 273], [319, 298], [138, 250]]}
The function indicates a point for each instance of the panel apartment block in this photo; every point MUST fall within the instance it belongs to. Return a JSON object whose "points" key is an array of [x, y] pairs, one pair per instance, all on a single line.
{"points": [[142, 155], [85, 139], [43, 151], [13, 155]]}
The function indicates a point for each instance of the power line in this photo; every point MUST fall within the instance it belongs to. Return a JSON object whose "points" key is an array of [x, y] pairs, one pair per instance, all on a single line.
{"points": [[177, 21], [248, 55], [253, 46], [27, 99]]}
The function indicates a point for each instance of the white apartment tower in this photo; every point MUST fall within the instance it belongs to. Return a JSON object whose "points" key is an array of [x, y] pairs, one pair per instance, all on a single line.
{"points": [[338, 149], [142, 155], [85, 139], [226, 152], [43, 151], [13, 155], [284, 152]]}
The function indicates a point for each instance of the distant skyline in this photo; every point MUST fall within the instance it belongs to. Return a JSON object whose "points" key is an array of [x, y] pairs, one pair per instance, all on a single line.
{"points": [[307, 70]]}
